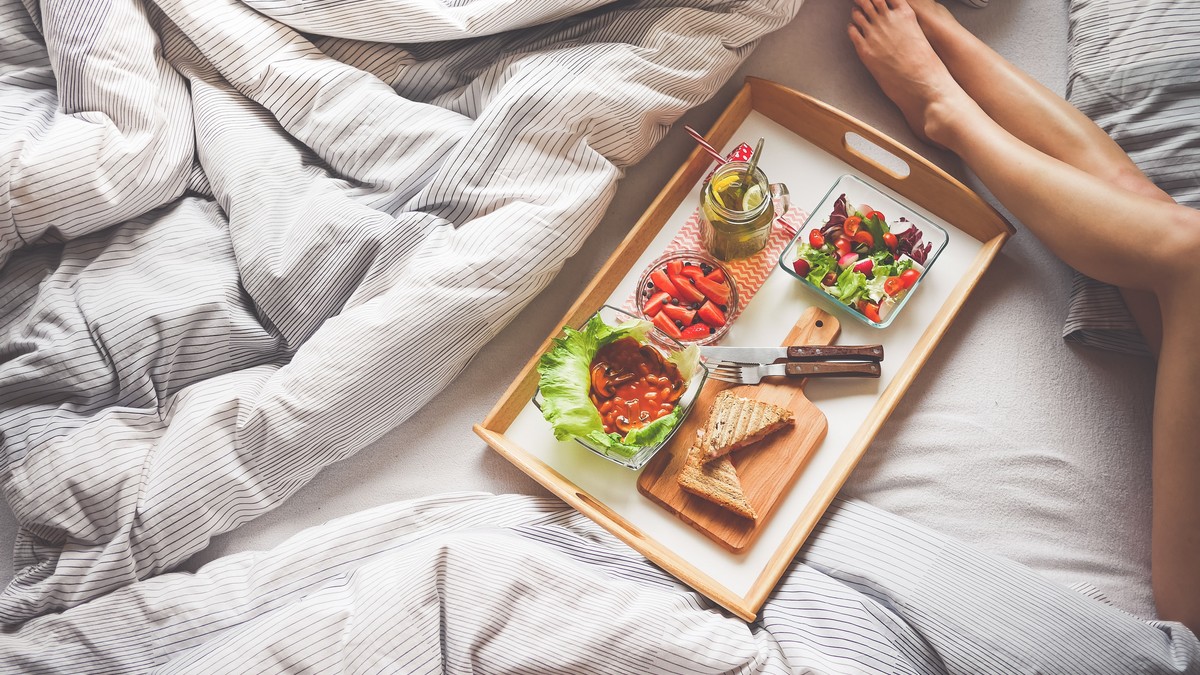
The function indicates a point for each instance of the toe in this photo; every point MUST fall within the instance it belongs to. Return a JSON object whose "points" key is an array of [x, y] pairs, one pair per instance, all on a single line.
{"points": [[859, 20], [865, 8], [856, 35]]}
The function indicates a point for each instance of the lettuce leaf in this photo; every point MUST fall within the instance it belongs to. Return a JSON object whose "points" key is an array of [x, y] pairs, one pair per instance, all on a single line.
{"points": [[820, 263], [850, 285], [565, 379]]}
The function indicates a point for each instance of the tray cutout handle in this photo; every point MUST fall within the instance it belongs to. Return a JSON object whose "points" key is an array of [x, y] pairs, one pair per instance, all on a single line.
{"points": [[876, 155]]}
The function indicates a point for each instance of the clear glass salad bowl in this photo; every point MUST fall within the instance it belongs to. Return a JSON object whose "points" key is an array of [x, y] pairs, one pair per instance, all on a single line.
{"points": [[859, 192], [637, 459]]}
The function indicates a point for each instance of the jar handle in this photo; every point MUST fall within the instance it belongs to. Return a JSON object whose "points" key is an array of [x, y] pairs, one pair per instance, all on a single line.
{"points": [[779, 192]]}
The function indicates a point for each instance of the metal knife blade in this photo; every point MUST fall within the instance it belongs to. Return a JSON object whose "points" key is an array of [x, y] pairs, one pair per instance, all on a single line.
{"points": [[793, 353]]}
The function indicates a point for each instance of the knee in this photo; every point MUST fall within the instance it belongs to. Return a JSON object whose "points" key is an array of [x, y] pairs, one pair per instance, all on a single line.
{"points": [[1178, 249], [1131, 179]]}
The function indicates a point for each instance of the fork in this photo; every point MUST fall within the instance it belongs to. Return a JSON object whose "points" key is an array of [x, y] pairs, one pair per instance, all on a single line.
{"points": [[742, 374]]}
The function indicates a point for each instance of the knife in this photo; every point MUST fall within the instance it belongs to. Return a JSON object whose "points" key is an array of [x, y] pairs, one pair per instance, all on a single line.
{"points": [[794, 353]]}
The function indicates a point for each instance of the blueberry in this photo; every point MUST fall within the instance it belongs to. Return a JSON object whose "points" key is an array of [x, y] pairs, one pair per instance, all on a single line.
{"points": [[678, 323], [706, 268], [689, 264], [694, 305], [649, 284], [674, 301], [723, 308]]}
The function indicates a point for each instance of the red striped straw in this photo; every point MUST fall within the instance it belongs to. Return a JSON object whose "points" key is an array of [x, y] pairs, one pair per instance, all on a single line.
{"points": [[705, 144]]}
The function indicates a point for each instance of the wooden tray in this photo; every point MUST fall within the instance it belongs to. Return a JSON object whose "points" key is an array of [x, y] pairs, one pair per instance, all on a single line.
{"points": [[812, 145], [765, 470]]}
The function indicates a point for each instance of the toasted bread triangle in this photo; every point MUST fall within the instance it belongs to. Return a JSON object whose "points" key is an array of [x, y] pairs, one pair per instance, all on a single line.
{"points": [[736, 422], [715, 481]]}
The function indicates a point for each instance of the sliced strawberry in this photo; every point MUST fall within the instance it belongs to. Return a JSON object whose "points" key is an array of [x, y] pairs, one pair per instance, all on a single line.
{"points": [[717, 275], [655, 304], [696, 331], [718, 293], [666, 325], [686, 291], [679, 313], [692, 272], [663, 283], [674, 267], [711, 315]]}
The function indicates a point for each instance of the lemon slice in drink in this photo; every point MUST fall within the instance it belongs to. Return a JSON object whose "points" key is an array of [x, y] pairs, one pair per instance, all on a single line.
{"points": [[752, 198], [723, 185]]}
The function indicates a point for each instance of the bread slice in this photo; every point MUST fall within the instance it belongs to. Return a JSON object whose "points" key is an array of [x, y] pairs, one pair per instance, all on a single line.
{"points": [[716, 481], [736, 422]]}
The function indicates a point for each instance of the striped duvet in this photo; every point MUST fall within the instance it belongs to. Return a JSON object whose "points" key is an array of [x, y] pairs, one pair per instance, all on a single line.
{"points": [[236, 238], [241, 241]]}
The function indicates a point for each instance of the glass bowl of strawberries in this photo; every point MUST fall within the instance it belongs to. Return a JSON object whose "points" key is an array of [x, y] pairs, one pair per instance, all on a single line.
{"points": [[689, 296]]}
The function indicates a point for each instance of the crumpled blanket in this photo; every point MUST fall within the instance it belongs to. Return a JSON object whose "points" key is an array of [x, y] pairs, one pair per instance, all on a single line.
{"points": [[473, 583], [240, 240]]}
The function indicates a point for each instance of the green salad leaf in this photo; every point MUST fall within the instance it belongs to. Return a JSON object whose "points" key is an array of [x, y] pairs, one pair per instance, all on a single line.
{"points": [[850, 285], [820, 263], [565, 379]]}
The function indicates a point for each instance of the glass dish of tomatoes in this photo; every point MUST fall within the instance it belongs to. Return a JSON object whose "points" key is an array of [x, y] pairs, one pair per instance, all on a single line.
{"points": [[689, 296]]}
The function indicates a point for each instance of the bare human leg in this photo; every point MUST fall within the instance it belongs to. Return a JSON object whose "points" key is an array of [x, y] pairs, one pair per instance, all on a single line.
{"points": [[1043, 120], [1088, 222]]}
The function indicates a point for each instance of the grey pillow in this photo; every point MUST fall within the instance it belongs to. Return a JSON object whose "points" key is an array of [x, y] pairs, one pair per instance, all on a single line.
{"points": [[1134, 68]]}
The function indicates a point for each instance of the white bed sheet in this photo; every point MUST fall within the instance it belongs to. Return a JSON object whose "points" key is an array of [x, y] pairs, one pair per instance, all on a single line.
{"points": [[1009, 439]]}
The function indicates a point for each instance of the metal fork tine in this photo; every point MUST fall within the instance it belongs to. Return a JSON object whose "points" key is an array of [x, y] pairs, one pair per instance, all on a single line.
{"points": [[727, 378]]}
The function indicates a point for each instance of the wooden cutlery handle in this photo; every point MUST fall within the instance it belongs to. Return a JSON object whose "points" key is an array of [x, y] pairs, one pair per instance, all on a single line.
{"points": [[833, 369], [819, 352]]}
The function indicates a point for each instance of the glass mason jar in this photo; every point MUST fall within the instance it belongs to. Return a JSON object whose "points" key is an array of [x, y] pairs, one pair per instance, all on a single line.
{"points": [[736, 214]]}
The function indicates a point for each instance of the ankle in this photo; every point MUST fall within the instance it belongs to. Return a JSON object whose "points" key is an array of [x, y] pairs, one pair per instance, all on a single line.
{"points": [[944, 121]]}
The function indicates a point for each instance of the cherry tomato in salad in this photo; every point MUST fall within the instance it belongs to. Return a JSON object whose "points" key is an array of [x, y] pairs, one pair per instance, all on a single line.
{"points": [[829, 280], [864, 237], [893, 285], [816, 239], [890, 241], [842, 245], [874, 214], [909, 277], [852, 225]]}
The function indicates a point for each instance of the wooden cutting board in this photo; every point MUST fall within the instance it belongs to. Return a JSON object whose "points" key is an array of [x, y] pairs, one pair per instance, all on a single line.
{"points": [[766, 469]]}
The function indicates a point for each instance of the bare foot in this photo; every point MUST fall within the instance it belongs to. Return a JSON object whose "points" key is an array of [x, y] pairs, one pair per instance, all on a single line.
{"points": [[890, 43]]}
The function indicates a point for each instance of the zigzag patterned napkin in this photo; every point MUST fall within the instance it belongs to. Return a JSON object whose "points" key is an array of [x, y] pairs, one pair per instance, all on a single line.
{"points": [[748, 273]]}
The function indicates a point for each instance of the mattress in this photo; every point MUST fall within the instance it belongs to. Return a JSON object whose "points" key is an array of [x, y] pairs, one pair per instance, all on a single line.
{"points": [[1009, 440]]}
